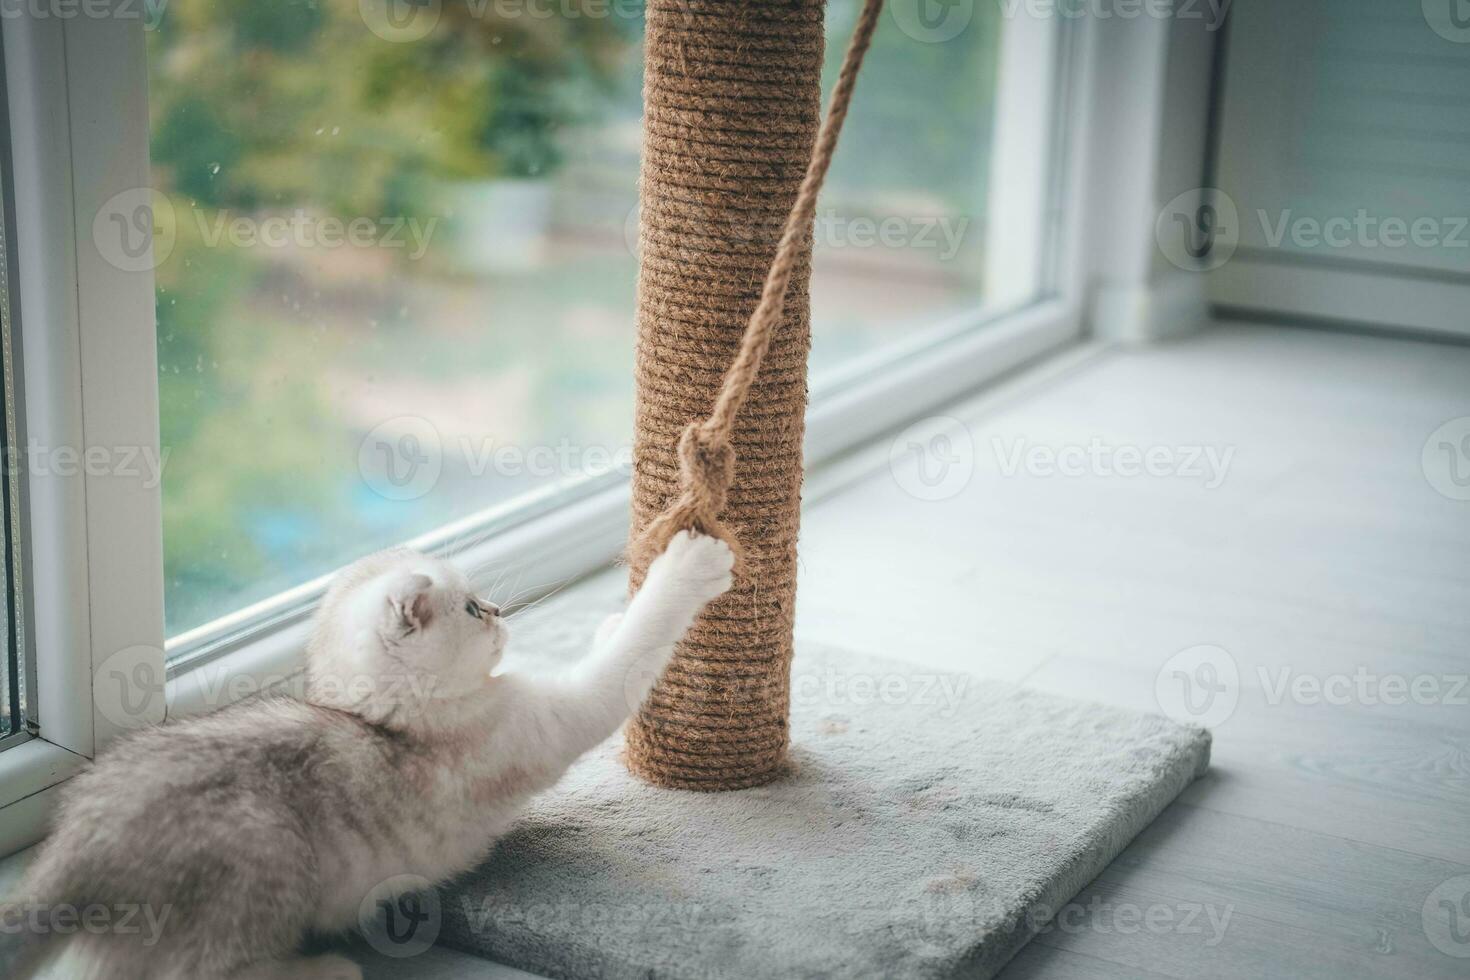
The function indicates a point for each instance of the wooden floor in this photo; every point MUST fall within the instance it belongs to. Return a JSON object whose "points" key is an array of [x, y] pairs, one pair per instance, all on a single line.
{"points": [[1329, 817], [1331, 837]]}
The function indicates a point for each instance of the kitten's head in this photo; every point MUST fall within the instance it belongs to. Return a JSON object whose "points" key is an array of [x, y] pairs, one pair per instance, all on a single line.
{"points": [[399, 629]]}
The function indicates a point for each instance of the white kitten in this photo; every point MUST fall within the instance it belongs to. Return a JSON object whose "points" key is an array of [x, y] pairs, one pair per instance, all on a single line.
{"points": [[243, 831]]}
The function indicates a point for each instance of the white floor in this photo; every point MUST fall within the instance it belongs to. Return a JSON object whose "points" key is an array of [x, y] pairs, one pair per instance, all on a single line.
{"points": [[1331, 836]]}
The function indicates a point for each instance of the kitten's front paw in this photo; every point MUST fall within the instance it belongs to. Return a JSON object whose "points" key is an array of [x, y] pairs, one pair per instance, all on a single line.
{"points": [[698, 563]]}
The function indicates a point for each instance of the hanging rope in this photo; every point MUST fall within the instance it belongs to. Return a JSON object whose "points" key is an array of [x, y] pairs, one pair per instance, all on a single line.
{"points": [[706, 459], [733, 151]]}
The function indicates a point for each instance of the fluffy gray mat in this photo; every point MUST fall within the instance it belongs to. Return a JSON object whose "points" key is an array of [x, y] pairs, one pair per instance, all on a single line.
{"points": [[930, 824]]}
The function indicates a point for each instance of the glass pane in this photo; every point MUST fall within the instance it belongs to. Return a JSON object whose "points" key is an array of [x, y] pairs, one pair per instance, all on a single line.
{"points": [[13, 689], [396, 274], [899, 231]]}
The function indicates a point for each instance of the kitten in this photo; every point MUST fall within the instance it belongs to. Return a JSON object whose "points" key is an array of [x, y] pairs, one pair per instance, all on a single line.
{"points": [[241, 832]]}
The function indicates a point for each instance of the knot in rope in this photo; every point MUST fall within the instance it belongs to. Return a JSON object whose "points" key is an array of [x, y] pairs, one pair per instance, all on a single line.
{"points": [[706, 468]]}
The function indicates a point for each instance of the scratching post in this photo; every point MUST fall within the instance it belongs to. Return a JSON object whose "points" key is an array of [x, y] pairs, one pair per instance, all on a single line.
{"points": [[979, 819], [732, 162]]}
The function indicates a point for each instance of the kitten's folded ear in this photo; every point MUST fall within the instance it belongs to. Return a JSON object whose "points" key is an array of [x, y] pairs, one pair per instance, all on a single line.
{"points": [[410, 607]]}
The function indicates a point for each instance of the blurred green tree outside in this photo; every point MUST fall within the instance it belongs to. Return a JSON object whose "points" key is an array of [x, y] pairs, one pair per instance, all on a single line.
{"points": [[273, 362]]}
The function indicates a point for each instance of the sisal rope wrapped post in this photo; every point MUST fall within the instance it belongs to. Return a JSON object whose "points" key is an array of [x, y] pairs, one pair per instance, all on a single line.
{"points": [[732, 162]]}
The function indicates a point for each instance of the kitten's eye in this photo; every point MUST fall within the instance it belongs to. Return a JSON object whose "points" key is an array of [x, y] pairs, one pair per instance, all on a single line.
{"points": [[473, 608]]}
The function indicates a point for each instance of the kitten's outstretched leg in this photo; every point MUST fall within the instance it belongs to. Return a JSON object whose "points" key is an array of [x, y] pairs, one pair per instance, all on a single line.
{"points": [[606, 631], [581, 709]]}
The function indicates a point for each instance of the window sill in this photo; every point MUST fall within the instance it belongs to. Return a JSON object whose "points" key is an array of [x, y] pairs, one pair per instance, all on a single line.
{"points": [[29, 775]]}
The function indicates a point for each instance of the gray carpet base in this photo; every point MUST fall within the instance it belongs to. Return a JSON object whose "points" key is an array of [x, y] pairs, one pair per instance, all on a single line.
{"points": [[930, 824]]}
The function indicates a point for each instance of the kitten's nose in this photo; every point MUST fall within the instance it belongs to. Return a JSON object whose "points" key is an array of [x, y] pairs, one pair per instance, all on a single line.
{"points": [[491, 608]]}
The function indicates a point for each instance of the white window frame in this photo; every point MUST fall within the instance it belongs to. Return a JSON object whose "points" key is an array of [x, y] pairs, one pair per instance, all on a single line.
{"points": [[90, 370], [79, 117]]}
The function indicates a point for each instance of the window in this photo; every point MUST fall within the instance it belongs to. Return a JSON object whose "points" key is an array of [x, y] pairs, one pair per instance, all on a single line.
{"points": [[395, 264], [309, 287], [15, 713]]}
